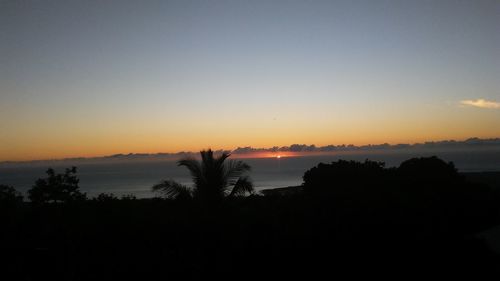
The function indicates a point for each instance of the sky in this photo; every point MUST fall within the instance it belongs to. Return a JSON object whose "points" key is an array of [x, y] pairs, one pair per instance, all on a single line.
{"points": [[92, 78]]}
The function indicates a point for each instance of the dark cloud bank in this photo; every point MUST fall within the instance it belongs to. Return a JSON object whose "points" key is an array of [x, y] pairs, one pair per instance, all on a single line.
{"points": [[471, 144], [447, 144]]}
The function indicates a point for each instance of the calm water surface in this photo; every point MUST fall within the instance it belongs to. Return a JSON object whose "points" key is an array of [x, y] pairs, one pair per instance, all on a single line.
{"points": [[136, 177]]}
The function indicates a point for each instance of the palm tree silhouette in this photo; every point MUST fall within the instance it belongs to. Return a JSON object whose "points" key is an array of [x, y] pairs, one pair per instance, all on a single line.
{"points": [[213, 178]]}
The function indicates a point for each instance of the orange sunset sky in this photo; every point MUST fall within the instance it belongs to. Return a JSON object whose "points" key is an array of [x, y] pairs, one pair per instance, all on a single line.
{"points": [[113, 77]]}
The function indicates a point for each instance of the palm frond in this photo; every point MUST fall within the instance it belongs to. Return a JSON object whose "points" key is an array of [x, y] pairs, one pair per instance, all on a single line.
{"points": [[213, 172], [242, 186], [207, 158], [234, 169], [195, 169], [172, 189], [219, 161], [213, 176]]}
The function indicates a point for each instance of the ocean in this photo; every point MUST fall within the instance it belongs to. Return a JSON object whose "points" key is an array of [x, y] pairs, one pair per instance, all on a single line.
{"points": [[136, 177]]}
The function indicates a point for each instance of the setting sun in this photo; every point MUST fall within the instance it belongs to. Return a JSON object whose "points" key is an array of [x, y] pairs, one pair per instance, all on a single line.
{"points": [[182, 139]]}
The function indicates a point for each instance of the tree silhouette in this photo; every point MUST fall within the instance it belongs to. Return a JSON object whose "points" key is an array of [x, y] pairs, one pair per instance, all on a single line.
{"points": [[344, 178], [213, 178], [9, 194], [429, 170], [57, 188]]}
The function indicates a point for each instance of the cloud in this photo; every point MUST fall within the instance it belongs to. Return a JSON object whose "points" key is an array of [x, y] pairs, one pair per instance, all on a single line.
{"points": [[471, 142], [482, 103], [303, 149]]}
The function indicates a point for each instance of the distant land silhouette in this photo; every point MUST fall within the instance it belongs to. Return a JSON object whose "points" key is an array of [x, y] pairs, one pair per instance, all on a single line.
{"points": [[299, 149]]}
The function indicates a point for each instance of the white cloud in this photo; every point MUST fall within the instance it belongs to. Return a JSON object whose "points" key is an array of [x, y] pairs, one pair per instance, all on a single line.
{"points": [[482, 103]]}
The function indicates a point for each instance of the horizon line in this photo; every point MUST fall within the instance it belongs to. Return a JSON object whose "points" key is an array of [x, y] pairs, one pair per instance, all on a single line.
{"points": [[295, 148]]}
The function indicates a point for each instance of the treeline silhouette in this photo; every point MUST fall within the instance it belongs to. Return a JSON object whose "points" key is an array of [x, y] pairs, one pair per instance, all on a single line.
{"points": [[356, 218]]}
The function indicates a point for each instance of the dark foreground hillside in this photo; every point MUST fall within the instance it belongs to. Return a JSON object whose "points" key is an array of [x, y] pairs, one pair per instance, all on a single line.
{"points": [[350, 218], [491, 179]]}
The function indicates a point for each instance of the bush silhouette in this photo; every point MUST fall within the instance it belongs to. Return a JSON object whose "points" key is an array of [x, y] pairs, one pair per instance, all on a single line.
{"points": [[9, 194], [344, 177], [57, 188], [105, 197], [351, 175], [432, 185], [213, 178], [419, 191], [128, 197], [428, 170]]}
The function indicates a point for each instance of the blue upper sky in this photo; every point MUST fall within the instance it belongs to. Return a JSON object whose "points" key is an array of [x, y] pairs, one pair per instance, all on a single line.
{"points": [[82, 78]]}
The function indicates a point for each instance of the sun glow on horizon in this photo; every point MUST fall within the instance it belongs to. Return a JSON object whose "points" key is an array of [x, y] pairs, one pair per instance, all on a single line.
{"points": [[183, 75]]}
